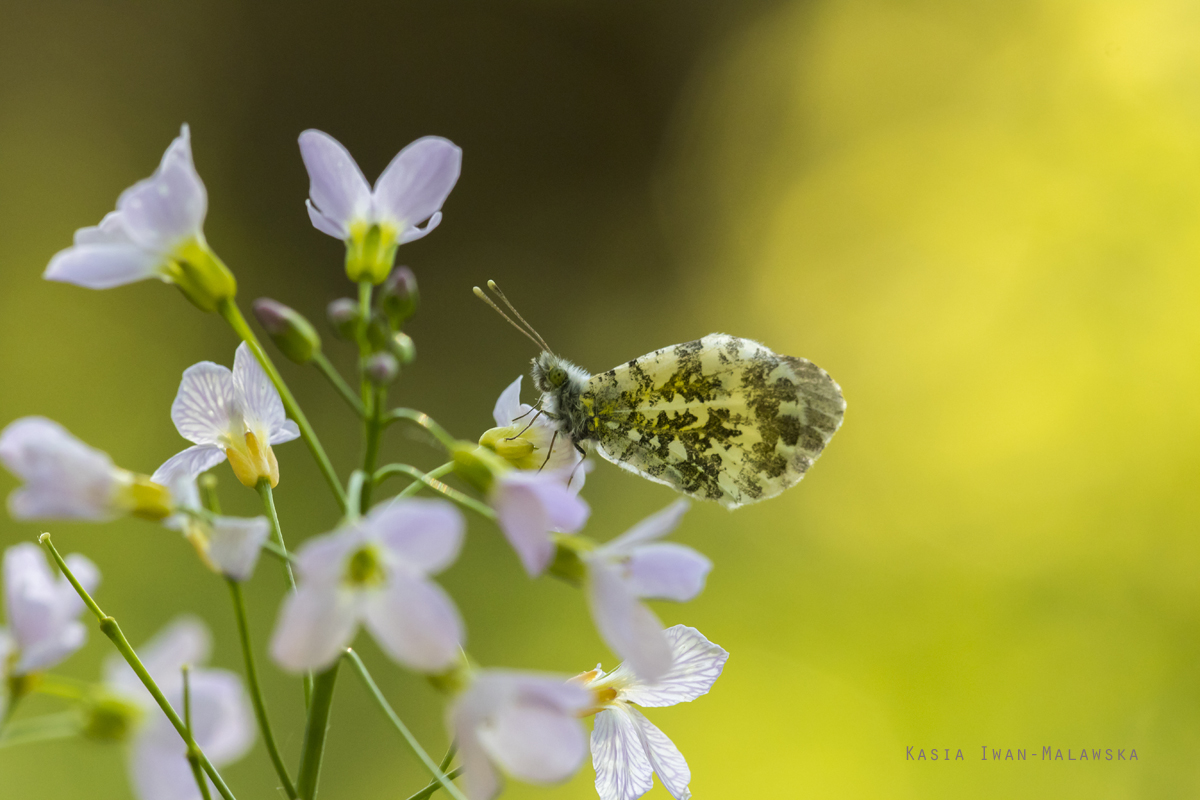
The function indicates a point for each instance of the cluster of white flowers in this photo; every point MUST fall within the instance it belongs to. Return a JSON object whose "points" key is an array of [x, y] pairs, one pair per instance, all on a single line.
{"points": [[376, 568]]}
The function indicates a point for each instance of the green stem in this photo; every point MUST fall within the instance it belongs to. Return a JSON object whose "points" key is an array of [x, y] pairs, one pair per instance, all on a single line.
{"points": [[192, 758], [256, 695], [436, 472], [422, 419], [433, 786], [233, 315], [434, 770], [314, 732], [429, 479], [112, 630], [338, 382], [268, 499], [372, 432], [354, 494]]}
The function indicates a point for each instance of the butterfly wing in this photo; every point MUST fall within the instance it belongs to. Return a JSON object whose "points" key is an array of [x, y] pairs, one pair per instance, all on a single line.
{"points": [[719, 418]]}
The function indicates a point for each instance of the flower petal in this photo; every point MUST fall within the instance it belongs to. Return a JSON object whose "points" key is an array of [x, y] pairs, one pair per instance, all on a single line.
{"points": [[414, 232], [417, 182], [508, 404], [205, 409], [623, 771], [103, 266], [697, 663], [262, 408], [158, 767], [631, 629], [222, 722], [425, 534], [416, 623], [535, 744], [665, 758], [317, 621], [667, 571], [529, 505], [235, 544], [188, 463], [167, 208], [111, 230], [65, 478], [653, 527], [322, 559], [336, 184], [42, 607], [324, 224]]}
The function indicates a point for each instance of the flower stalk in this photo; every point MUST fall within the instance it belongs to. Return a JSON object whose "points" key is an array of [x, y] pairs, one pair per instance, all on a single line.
{"points": [[110, 628]]}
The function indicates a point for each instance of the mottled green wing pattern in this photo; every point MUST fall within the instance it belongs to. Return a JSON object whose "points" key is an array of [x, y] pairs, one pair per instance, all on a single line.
{"points": [[719, 418]]}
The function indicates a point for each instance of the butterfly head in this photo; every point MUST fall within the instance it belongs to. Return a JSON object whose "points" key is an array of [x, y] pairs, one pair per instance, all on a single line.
{"points": [[552, 373]]}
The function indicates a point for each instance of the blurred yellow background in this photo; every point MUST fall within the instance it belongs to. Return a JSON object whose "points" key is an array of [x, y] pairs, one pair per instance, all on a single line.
{"points": [[980, 217]]}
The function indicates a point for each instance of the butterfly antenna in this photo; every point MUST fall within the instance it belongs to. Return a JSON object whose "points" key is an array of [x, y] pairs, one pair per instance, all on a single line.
{"points": [[479, 293], [492, 285]]}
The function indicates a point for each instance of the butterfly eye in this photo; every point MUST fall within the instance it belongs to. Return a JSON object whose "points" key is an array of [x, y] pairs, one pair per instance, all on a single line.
{"points": [[556, 376]]}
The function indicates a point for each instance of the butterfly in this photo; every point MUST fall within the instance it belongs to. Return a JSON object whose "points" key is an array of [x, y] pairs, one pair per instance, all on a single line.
{"points": [[719, 418]]}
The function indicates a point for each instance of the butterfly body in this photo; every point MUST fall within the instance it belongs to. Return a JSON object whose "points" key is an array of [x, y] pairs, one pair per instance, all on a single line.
{"points": [[719, 418]]}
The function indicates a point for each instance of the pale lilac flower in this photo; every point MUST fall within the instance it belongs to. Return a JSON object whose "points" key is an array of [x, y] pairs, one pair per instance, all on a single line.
{"points": [[42, 609], [67, 479], [156, 232], [627, 750], [222, 723], [229, 546], [375, 571], [530, 507], [524, 723], [634, 566], [236, 415], [373, 222], [524, 437]]}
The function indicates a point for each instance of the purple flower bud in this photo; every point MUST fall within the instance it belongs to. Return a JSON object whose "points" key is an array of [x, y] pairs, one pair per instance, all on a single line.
{"points": [[398, 296], [292, 333], [382, 368], [343, 317]]}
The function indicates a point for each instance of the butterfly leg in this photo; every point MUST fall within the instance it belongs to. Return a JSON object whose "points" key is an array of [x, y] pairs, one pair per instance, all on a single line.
{"points": [[536, 407], [527, 427], [549, 452]]}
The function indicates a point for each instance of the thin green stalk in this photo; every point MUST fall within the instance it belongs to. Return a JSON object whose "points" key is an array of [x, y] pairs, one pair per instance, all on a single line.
{"points": [[192, 758], [433, 786], [314, 732], [233, 315], [112, 630], [432, 766], [429, 479], [256, 695], [268, 500], [422, 419], [60, 686], [436, 472], [373, 431], [338, 382]]}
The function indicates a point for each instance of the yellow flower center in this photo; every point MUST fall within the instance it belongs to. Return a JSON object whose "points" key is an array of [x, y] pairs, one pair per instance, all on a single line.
{"points": [[513, 446], [365, 568], [370, 251]]}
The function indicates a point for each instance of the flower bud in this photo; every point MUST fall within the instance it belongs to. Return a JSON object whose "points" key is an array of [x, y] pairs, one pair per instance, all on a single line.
{"points": [[398, 296], [476, 465], [403, 348], [343, 317], [110, 719], [382, 368], [292, 333]]}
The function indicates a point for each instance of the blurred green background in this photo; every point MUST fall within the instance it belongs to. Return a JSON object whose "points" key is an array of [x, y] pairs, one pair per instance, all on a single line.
{"points": [[980, 217]]}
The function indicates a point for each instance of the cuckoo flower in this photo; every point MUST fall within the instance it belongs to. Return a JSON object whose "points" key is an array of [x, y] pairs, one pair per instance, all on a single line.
{"points": [[42, 610], [524, 723], [633, 566], [373, 222], [236, 415], [66, 479], [222, 724], [627, 750], [156, 232], [229, 546], [375, 571], [528, 439]]}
